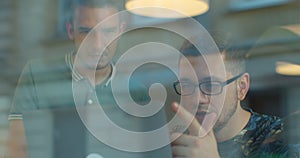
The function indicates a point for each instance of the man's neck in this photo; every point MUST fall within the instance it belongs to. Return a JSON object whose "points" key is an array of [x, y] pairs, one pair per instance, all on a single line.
{"points": [[235, 125]]}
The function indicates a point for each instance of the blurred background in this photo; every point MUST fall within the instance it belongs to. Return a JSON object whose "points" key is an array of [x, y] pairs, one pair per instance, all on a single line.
{"points": [[268, 32]]}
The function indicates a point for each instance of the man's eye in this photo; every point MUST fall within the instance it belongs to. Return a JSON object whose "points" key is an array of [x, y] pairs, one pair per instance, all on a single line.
{"points": [[186, 86], [109, 30], [84, 30], [211, 87]]}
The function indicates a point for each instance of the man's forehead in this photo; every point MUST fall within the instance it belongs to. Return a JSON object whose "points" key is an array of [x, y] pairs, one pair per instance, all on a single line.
{"points": [[204, 66], [203, 60], [196, 62], [84, 13]]}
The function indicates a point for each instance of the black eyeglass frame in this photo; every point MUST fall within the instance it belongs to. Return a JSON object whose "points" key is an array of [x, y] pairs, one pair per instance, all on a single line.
{"points": [[223, 84]]}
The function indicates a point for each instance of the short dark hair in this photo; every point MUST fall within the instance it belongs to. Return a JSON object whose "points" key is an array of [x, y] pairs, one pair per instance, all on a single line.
{"points": [[234, 58], [117, 4]]}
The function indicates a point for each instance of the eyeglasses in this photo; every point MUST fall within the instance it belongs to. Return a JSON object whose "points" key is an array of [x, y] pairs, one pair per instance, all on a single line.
{"points": [[207, 87]]}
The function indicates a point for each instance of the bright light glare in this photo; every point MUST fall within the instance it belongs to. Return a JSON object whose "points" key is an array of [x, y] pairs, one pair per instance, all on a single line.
{"points": [[167, 8], [285, 68]]}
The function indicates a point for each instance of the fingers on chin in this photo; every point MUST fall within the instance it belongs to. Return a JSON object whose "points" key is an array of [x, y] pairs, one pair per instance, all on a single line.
{"points": [[179, 151], [185, 140]]}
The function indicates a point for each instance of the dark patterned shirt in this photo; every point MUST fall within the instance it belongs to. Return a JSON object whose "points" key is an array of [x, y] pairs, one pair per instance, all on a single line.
{"points": [[255, 140]]}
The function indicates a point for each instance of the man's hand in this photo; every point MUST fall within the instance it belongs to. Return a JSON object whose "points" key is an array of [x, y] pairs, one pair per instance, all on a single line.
{"points": [[191, 145]]}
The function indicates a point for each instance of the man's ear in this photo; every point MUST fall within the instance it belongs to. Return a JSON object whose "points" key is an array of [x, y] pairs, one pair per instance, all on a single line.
{"points": [[243, 86], [70, 30], [122, 26]]}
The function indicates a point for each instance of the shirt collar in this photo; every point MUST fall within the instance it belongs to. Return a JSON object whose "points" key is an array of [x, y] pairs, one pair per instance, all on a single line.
{"points": [[69, 59]]}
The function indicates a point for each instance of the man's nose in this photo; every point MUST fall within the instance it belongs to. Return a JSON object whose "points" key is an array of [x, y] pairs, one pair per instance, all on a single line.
{"points": [[198, 99], [99, 40], [203, 98]]}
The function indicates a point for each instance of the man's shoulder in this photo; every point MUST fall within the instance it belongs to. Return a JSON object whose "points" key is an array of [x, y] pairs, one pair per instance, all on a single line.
{"points": [[43, 83], [266, 137], [262, 126], [268, 122], [47, 68], [48, 64], [263, 122]]}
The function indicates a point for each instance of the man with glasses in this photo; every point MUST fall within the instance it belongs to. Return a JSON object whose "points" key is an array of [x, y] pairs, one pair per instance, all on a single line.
{"points": [[236, 131]]}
